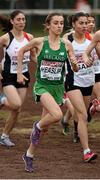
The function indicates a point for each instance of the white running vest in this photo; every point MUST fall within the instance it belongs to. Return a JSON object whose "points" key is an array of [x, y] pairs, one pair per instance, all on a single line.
{"points": [[12, 51], [85, 77]]}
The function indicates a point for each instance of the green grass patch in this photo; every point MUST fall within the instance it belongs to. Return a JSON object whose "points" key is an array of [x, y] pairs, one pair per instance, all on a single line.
{"points": [[4, 114], [25, 117]]}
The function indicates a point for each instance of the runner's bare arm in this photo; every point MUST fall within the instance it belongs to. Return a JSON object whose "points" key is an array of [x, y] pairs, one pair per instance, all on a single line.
{"points": [[72, 57], [33, 44], [98, 49], [33, 56], [65, 36], [3, 43], [86, 55], [1, 52], [1, 57]]}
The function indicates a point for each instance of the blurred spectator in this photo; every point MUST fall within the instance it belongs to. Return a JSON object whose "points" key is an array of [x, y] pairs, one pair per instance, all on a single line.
{"points": [[83, 6]]}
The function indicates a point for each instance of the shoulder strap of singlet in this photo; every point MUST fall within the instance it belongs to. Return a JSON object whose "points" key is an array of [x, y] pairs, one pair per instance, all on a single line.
{"points": [[45, 41], [70, 37], [11, 37], [26, 36]]}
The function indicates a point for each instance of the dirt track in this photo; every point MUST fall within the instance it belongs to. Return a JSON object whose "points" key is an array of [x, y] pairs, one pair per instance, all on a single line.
{"points": [[57, 156]]}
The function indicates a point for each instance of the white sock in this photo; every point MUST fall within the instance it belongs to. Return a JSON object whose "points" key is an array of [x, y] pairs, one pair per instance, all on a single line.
{"points": [[86, 151], [64, 119], [28, 154], [4, 136], [38, 126], [3, 100]]}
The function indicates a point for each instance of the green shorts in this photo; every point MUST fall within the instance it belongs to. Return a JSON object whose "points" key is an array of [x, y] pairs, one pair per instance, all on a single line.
{"points": [[57, 91]]}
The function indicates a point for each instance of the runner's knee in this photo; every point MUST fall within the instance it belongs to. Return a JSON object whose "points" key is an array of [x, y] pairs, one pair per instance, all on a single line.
{"points": [[82, 116], [16, 105], [58, 116]]}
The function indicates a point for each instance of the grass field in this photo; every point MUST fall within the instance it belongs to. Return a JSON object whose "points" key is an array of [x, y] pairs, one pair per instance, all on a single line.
{"points": [[93, 126]]}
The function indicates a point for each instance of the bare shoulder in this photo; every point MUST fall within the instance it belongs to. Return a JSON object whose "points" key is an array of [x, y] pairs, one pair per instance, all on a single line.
{"points": [[36, 42], [97, 35], [4, 39], [39, 40], [65, 36], [31, 36], [66, 41], [68, 33], [97, 32]]}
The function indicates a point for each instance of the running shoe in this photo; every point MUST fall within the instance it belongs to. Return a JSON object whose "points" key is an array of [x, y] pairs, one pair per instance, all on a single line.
{"points": [[95, 103], [28, 163], [6, 142], [65, 126], [76, 138], [35, 135], [88, 157]]}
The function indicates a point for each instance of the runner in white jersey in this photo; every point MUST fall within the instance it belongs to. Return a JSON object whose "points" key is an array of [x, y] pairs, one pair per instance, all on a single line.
{"points": [[15, 93], [85, 76], [79, 85], [95, 103], [89, 37], [67, 103], [11, 52]]}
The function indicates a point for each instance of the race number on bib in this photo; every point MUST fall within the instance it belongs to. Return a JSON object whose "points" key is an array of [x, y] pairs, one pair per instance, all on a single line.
{"points": [[51, 70]]}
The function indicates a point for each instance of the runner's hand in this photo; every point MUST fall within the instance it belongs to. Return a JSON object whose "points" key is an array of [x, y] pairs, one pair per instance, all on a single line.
{"points": [[21, 78], [75, 66], [89, 62]]}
